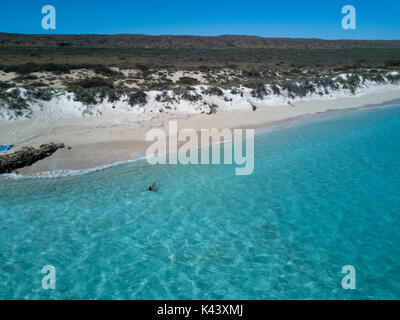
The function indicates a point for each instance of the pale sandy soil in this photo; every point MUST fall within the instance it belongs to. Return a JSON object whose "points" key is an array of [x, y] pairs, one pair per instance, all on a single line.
{"points": [[100, 141]]}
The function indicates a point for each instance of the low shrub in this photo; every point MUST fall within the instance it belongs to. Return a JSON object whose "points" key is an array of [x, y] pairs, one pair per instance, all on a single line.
{"points": [[137, 97], [27, 77], [116, 95], [141, 67], [252, 73], [90, 96], [204, 68], [394, 78], [213, 91], [95, 82], [188, 81], [301, 91], [275, 89], [213, 108], [40, 94], [259, 90], [14, 101], [5, 85], [187, 93], [392, 63], [160, 86]]}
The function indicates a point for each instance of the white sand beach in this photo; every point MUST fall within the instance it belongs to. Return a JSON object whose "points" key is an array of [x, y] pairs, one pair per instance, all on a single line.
{"points": [[118, 135]]}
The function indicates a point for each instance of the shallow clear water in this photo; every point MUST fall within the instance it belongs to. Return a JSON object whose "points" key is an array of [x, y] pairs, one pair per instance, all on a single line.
{"points": [[325, 193]]}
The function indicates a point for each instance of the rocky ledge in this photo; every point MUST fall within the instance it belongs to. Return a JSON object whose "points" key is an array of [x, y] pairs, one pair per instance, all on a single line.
{"points": [[27, 156]]}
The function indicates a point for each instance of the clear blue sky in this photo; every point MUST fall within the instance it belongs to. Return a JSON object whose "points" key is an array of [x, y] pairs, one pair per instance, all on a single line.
{"points": [[376, 19]]}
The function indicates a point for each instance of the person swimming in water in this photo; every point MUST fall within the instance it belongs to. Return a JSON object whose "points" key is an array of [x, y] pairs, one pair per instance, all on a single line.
{"points": [[152, 187]]}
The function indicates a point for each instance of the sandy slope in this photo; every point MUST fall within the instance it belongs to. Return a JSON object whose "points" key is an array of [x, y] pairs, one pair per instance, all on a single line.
{"points": [[101, 140]]}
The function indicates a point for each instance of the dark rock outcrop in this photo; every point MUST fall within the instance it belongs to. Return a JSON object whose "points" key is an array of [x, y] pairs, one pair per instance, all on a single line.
{"points": [[27, 156]]}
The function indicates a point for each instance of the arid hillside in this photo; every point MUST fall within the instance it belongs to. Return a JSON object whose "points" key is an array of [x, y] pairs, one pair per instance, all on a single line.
{"points": [[183, 42]]}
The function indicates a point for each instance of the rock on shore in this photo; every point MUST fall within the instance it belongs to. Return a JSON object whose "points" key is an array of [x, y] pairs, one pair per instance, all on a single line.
{"points": [[27, 156]]}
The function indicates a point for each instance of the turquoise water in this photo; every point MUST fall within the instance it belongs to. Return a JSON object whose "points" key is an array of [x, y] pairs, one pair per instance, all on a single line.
{"points": [[325, 193]]}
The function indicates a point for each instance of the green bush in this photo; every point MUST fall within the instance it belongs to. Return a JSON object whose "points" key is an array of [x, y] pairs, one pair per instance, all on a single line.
{"points": [[141, 67], [137, 97], [188, 81], [213, 108], [275, 89], [5, 85], [40, 94], [259, 90], [392, 63], [14, 102], [252, 73], [115, 95], [187, 93], [90, 96], [95, 82], [213, 91]]}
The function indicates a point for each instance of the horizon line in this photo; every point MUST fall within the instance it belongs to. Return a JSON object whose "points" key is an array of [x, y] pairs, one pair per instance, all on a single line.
{"points": [[187, 35]]}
